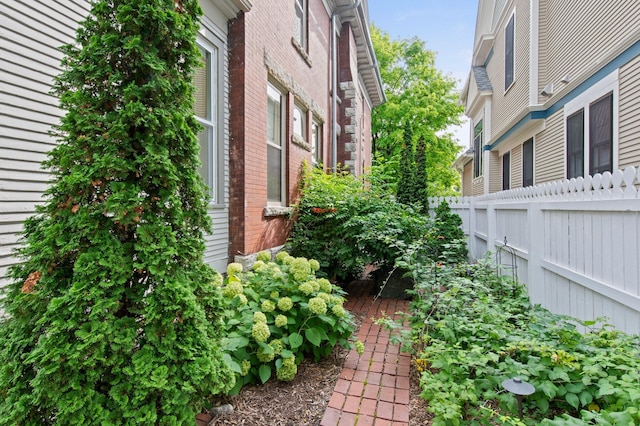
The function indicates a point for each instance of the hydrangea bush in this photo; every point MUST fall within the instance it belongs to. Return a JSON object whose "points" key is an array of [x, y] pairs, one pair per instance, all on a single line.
{"points": [[277, 313]]}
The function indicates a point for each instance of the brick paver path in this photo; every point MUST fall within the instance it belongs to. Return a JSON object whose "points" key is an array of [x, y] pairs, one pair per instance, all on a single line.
{"points": [[373, 388]]}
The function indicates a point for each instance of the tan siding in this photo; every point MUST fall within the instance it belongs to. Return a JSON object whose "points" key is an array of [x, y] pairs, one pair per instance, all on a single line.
{"points": [[478, 186], [495, 172], [574, 37], [549, 150], [506, 105], [467, 179], [629, 107], [516, 167]]}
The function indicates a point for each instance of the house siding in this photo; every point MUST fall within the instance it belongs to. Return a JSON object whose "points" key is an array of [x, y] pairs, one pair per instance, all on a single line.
{"points": [[516, 167], [495, 179], [549, 156], [517, 96], [467, 181], [30, 36], [575, 37], [629, 130]]}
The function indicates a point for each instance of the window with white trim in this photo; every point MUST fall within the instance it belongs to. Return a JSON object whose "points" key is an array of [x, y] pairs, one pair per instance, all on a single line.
{"points": [[316, 143], [300, 122], [275, 146], [509, 56], [300, 26], [478, 146], [207, 100], [591, 127]]}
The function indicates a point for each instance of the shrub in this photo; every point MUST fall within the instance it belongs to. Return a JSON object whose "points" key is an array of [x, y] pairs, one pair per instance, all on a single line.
{"points": [[448, 242], [112, 314], [287, 313], [347, 226]]}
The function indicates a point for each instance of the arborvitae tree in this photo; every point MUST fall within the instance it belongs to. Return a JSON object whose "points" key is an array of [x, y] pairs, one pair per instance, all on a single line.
{"points": [[404, 192], [449, 242], [420, 192], [111, 317]]}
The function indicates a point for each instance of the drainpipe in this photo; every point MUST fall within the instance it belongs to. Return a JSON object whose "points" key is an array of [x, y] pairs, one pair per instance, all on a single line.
{"points": [[334, 83]]}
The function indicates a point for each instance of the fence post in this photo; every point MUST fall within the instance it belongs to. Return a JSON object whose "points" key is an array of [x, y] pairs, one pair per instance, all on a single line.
{"points": [[471, 229], [491, 227], [536, 251]]}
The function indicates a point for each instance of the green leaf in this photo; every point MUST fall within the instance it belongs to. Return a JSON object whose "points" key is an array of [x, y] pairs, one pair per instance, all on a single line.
{"points": [[235, 367], [572, 399], [265, 373], [314, 336], [329, 320], [543, 404], [585, 397], [295, 340], [232, 344]]}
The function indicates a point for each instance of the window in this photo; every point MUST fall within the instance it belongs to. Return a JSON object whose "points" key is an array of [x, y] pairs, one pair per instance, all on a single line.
{"points": [[508, 53], [275, 146], [206, 111], [591, 128], [601, 135], [575, 144], [299, 122], [477, 150], [506, 171], [300, 28], [316, 143], [527, 163]]}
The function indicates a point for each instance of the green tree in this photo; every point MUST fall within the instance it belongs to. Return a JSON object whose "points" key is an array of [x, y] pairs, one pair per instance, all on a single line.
{"points": [[407, 181], [419, 94], [421, 194], [111, 317]]}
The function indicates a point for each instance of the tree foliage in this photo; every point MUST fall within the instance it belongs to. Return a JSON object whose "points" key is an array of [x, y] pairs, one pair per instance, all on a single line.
{"points": [[112, 317], [418, 95]]}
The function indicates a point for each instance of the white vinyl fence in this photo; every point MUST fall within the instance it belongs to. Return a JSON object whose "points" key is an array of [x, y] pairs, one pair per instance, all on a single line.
{"points": [[577, 242]]}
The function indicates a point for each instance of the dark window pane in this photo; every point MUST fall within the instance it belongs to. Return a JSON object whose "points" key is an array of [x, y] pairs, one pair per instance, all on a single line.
{"points": [[477, 150], [601, 135], [527, 163], [575, 145], [506, 171], [508, 54]]}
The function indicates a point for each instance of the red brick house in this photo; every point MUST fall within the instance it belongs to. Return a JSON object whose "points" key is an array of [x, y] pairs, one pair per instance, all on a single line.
{"points": [[286, 59]]}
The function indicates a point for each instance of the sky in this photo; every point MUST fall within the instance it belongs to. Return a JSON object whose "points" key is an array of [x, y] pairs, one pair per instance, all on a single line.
{"points": [[446, 26]]}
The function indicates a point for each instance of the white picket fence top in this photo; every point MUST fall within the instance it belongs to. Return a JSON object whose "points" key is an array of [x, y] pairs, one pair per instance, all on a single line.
{"points": [[621, 184]]}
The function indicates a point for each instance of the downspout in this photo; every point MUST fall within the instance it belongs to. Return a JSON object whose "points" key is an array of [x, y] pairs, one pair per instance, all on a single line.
{"points": [[334, 84]]}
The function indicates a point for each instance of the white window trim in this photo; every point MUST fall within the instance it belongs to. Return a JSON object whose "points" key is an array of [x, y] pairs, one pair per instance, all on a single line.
{"points": [[504, 33], [303, 42], [215, 143], [283, 145], [481, 153], [608, 84]]}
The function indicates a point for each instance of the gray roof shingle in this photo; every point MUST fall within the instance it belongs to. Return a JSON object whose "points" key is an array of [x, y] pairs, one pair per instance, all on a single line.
{"points": [[482, 79]]}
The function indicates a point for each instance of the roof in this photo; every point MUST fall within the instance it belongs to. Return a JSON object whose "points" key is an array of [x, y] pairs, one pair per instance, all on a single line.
{"points": [[482, 79]]}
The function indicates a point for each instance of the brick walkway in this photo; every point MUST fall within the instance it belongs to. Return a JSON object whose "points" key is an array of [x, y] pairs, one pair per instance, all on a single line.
{"points": [[373, 388]]}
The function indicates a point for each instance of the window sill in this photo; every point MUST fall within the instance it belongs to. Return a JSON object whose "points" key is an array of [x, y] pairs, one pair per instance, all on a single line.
{"points": [[301, 50], [297, 140], [275, 211]]}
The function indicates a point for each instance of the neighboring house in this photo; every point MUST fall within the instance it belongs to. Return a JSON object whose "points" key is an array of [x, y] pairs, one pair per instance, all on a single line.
{"points": [[553, 92], [264, 101]]}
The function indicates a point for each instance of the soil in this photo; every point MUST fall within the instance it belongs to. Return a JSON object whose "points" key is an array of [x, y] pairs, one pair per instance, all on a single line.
{"points": [[302, 401]]}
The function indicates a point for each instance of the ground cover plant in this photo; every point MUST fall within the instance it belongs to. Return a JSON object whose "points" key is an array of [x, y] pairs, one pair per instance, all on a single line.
{"points": [[112, 316], [472, 330], [276, 314]]}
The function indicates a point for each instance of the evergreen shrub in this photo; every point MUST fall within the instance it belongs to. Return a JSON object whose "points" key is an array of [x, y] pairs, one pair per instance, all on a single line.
{"points": [[112, 317]]}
